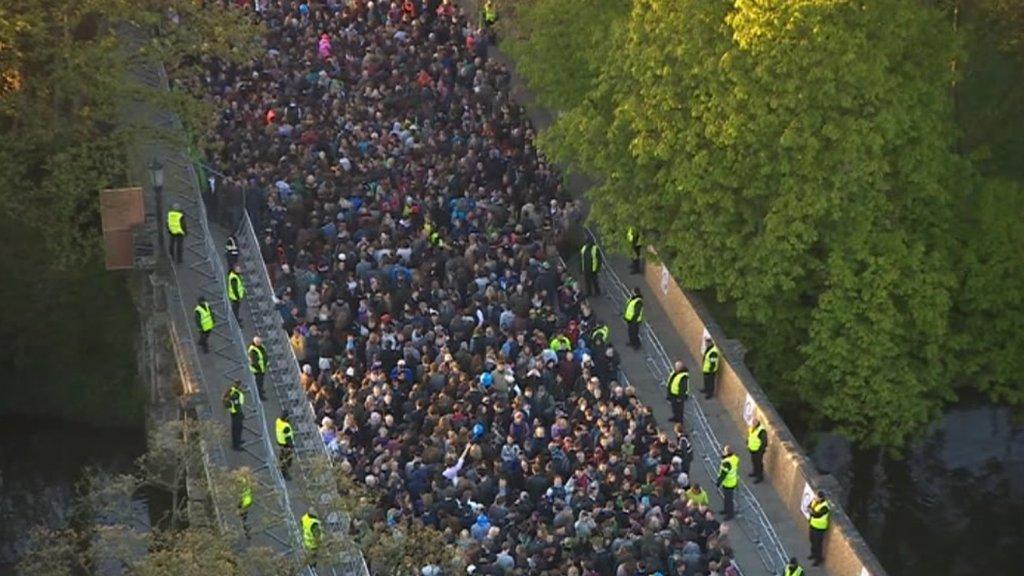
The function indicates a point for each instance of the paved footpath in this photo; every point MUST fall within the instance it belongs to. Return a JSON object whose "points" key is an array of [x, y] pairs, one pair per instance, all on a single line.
{"points": [[757, 550], [273, 518]]}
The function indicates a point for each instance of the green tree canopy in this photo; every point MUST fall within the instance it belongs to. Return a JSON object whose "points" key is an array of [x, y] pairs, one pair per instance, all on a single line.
{"points": [[109, 537], [563, 67], [64, 82], [989, 319]]}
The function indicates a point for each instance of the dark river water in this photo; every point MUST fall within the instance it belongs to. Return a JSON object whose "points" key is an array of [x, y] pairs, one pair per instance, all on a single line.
{"points": [[954, 506], [41, 460]]}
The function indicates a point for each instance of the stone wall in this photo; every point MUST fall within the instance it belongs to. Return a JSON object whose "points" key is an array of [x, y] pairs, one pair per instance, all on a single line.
{"points": [[787, 468]]}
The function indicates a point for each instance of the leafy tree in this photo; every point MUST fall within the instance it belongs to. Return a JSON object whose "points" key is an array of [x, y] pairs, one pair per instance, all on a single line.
{"points": [[991, 307], [796, 159], [990, 97], [65, 72], [563, 67], [1005, 21], [66, 82], [407, 547]]}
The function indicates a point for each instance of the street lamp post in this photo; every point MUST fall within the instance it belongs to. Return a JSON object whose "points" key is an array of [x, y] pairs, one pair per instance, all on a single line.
{"points": [[156, 178]]}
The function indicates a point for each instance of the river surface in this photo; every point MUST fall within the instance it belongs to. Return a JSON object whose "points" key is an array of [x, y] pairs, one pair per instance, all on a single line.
{"points": [[41, 461], [954, 506]]}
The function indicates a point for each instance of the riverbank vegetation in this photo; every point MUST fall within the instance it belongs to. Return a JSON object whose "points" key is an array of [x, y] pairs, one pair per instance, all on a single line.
{"points": [[841, 178], [114, 530]]}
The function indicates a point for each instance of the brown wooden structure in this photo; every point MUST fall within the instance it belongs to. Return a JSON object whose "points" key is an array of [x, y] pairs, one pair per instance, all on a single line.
{"points": [[121, 210]]}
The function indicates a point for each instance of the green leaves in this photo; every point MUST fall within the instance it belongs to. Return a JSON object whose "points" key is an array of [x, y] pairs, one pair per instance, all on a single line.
{"points": [[875, 359], [64, 83], [562, 46], [990, 312]]}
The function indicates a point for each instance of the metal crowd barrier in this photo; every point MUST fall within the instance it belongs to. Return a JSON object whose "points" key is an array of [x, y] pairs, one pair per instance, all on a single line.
{"points": [[286, 380], [769, 547]]}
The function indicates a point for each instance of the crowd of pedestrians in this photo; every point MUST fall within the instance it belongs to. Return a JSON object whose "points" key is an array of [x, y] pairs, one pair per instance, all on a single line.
{"points": [[411, 228]]}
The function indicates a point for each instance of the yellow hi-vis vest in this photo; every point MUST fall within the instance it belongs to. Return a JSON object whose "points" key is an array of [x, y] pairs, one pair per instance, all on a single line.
{"points": [[732, 474], [634, 310], [260, 365], [236, 399], [589, 258], [820, 512], [754, 438], [246, 500], [490, 14], [560, 343], [284, 432], [711, 359], [236, 287], [697, 498], [679, 383], [633, 237], [310, 532], [174, 218], [205, 317], [794, 571]]}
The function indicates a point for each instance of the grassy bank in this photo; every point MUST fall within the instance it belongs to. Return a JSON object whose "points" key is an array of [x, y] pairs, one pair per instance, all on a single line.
{"points": [[69, 338]]}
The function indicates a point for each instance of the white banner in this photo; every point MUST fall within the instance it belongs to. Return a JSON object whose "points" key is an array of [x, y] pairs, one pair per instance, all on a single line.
{"points": [[805, 500], [665, 279], [749, 410]]}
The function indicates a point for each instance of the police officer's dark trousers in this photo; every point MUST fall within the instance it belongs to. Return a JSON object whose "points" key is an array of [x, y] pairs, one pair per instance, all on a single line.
{"points": [[727, 496], [235, 306], [236, 429], [636, 260], [204, 340], [633, 329], [286, 455], [709, 384], [678, 407], [259, 384], [817, 545], [757, 459], [177, 246], [243, 514], [590, 283]]}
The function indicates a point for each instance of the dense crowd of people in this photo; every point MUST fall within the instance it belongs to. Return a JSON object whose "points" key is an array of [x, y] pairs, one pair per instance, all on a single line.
{"points": [[410, 228]]}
